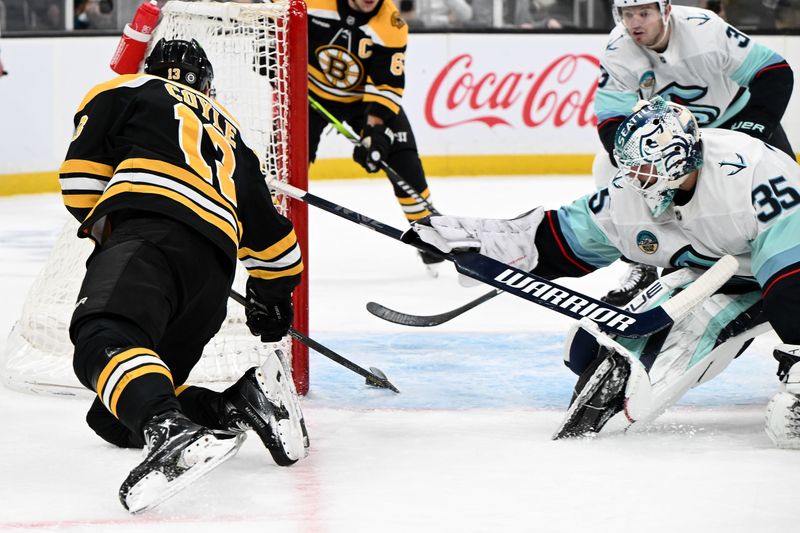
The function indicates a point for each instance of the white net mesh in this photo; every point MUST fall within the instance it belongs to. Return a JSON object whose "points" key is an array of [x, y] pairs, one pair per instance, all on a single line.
{"points": [[245, 44]]}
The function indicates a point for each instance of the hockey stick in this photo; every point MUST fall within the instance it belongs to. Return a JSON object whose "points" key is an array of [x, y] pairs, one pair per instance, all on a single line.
{"points": [[375, 376], [353, 138], [426, 321], [539, 290]]}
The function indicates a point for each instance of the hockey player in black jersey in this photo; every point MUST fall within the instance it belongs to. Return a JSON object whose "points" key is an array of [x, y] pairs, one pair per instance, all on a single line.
{"points": [[159, 176], [356, 69]]}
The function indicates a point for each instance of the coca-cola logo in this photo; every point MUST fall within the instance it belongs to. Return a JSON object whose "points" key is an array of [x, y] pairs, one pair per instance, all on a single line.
{"points": [[561, 93]]}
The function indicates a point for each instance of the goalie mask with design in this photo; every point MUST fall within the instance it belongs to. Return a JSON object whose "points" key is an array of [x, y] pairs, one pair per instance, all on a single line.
{"points": [[656, 148], [182, 61]]}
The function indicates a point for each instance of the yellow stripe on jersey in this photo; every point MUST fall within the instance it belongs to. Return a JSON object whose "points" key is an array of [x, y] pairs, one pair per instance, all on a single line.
{"points": [[114, 362], [388, 88], [267, 274], [123, 368], [180, 174], [333, 97], [80, 201], [382, 100], [83, 166], [130, 80], [213, 219], [411, 201], [130, 376], [320, 6], [273, 251], [282, 259]]}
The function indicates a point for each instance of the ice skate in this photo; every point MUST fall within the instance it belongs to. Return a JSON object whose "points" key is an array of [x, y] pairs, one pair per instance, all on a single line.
{"points": [[637, 278], [264, 400], [178, 452]]}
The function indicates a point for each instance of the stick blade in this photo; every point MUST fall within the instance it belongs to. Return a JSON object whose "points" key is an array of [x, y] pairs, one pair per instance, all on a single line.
{"points": [[396, 317], [379, 379]]}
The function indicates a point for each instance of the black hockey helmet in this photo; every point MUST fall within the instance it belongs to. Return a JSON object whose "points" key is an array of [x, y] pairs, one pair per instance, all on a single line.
{"points": [[181, 61]]}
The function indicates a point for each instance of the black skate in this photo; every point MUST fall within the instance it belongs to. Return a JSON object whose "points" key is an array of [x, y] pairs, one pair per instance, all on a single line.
{"points": [[178, 452], [637, 278], [264, 400], [599, 395]]}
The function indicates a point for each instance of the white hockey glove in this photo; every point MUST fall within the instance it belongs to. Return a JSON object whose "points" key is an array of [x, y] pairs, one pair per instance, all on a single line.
{"points": [[511, 241]]}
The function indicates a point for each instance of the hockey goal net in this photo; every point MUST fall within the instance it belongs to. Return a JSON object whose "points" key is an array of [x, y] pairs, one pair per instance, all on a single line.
{"points": [[258, 52]]}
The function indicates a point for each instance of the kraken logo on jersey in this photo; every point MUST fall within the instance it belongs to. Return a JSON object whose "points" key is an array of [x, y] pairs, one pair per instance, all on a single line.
{"points": [[341, 69], [647, 242], [686, 96]]}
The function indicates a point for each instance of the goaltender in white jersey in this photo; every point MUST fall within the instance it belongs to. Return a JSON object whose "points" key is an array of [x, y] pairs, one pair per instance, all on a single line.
{"points": [[684, 201]]}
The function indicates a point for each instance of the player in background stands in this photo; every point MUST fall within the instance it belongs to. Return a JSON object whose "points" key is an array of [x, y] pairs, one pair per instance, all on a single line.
{"points": [[692, 57], [159, 176], [681, 199], [356, 70]]}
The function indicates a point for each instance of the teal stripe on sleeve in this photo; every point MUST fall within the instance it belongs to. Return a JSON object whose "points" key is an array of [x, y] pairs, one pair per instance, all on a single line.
{"points": [[583, 236], [609, 104], [776, 248], [759, 57]]}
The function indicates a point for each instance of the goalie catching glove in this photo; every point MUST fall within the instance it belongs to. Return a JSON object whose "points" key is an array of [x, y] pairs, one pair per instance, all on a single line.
{"points": [[511, 241], [374, 147], [271, 319]]}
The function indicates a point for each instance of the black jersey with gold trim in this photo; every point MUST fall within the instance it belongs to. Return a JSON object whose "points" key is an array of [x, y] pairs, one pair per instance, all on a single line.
{"points": [[357, 57], [144, 143]]}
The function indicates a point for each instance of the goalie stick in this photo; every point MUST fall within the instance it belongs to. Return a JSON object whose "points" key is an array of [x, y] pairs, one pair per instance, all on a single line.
{"points": [[375, 376], [353, 138], [539, 290], [426, 321]]}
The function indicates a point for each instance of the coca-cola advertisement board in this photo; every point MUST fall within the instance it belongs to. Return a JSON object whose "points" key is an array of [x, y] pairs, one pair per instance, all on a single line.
{"points": [[512, 94]]}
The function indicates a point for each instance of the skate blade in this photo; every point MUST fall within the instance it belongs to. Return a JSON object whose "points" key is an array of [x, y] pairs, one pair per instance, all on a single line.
{"points": [[155, 488]]}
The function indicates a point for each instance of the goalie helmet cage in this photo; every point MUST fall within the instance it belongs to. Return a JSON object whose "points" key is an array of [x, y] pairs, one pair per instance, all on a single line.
{"points": [[259, 55]]}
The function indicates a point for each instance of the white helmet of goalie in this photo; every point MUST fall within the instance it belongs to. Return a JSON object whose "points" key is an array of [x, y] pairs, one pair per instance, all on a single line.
{"points": [[619, 4], [657, 148]]}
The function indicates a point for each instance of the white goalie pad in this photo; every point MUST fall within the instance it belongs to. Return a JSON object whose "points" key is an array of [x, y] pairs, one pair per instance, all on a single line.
{"points": [[648, 395], [686, 358]]}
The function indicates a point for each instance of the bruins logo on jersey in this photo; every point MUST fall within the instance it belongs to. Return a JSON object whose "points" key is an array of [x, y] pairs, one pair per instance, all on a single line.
{"points": [[342, 70], [647, 242]]}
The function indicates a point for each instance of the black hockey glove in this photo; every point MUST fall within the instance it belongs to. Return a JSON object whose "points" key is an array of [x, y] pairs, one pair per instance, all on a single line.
{"points": [[270, 320], [374, 147]]}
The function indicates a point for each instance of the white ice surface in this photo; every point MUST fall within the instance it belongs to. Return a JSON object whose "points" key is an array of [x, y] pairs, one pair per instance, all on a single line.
{"points": [[466, 445]]}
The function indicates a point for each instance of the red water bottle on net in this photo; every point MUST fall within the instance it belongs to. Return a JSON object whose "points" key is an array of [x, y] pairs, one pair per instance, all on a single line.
{"points": [[133, 44]]}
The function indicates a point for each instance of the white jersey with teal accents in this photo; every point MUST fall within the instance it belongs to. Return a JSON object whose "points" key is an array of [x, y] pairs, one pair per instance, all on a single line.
{"points": [[707, 67], [746, 203]]}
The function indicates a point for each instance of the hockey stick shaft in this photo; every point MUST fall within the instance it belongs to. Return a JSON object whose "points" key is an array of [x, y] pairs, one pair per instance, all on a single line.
{"points": [[353, 138], [426, 321], [372, 379], [534, 288]]}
